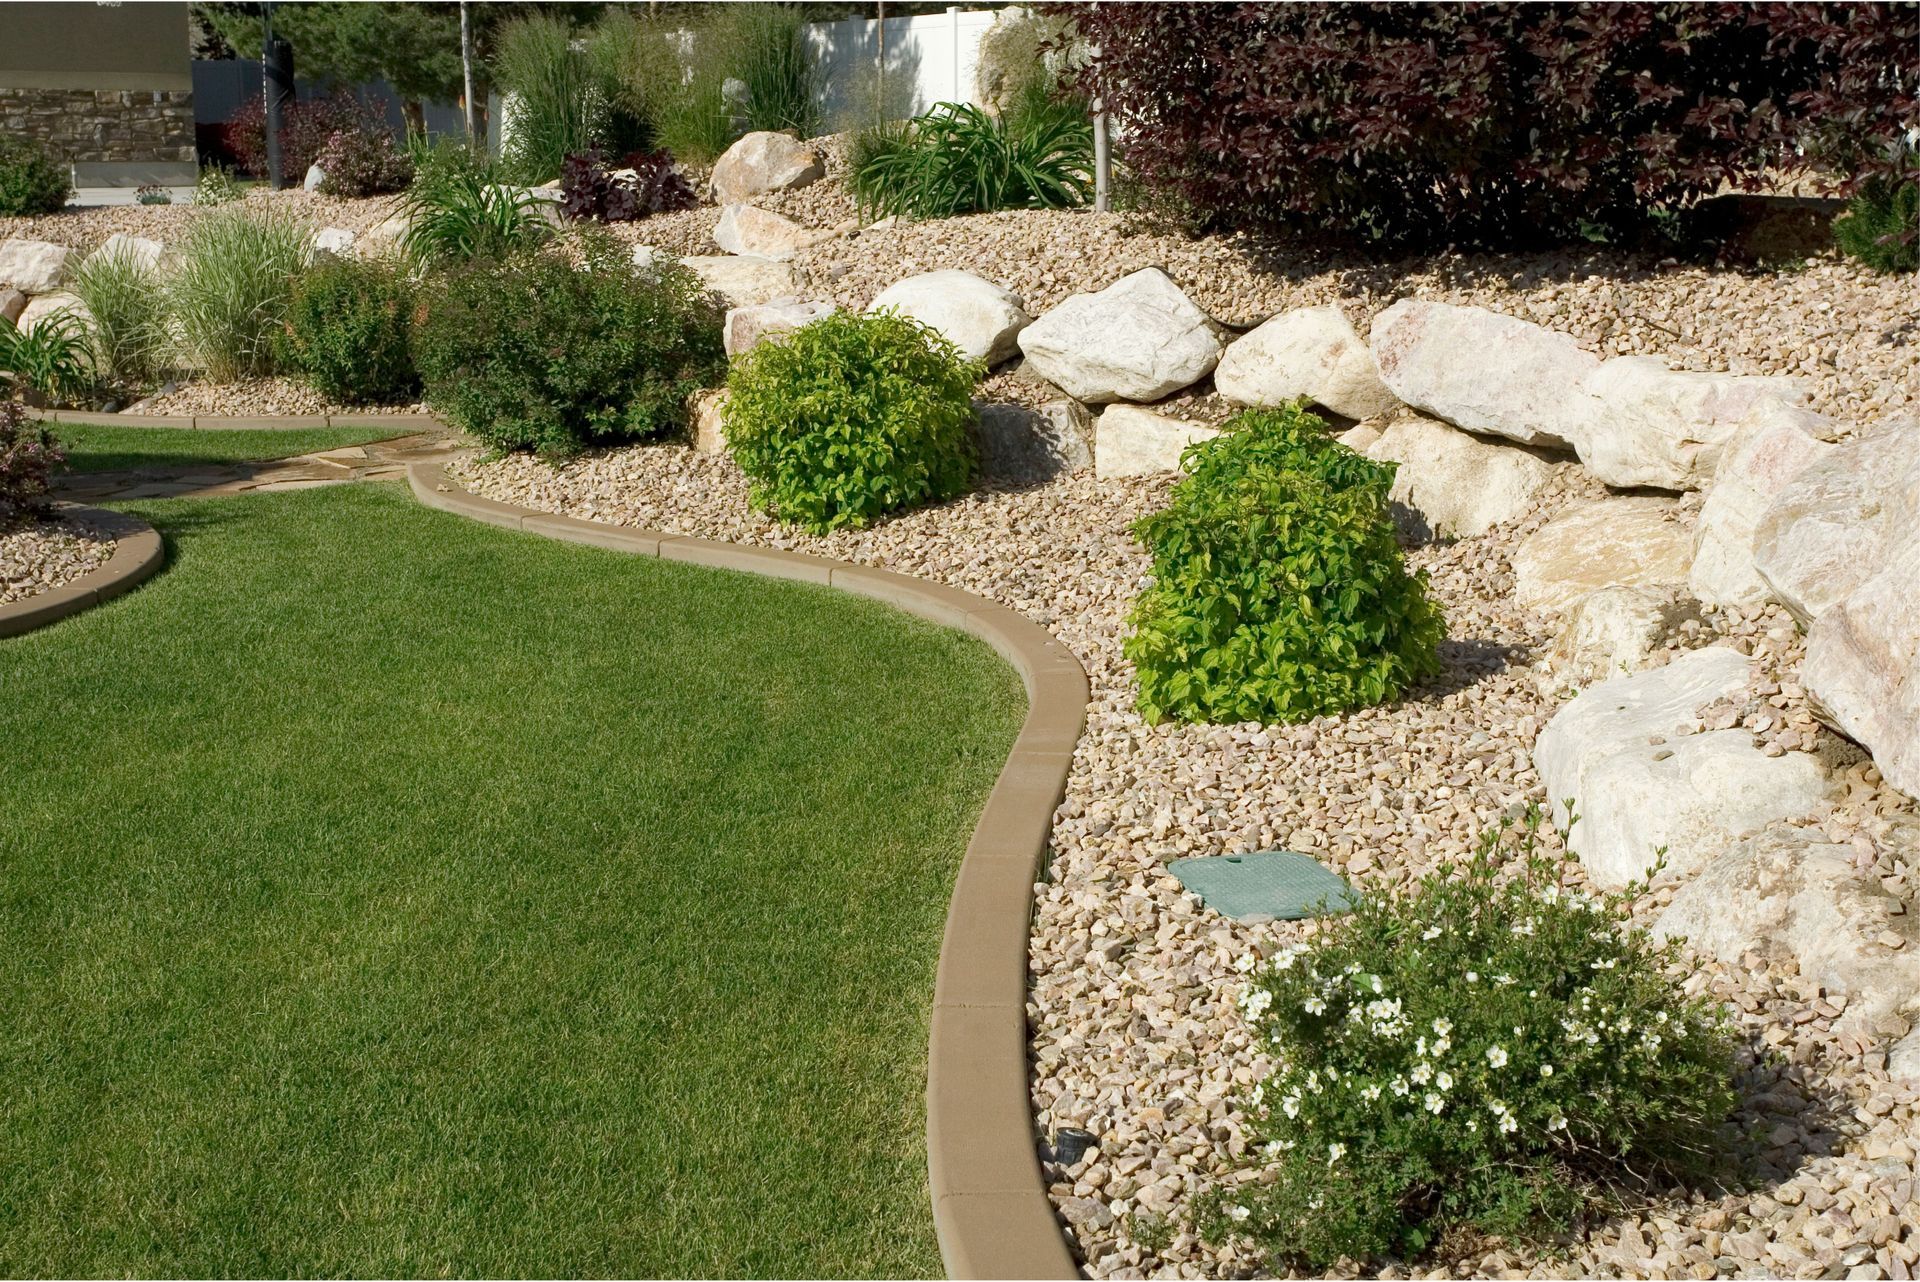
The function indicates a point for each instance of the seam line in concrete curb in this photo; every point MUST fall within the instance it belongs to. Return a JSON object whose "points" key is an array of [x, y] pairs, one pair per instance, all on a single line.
{"points": [[137, 553], [990, 1208]]}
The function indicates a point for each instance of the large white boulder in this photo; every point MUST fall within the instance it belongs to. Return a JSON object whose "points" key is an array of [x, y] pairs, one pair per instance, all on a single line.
{"points": [[1862, 670], [1452, 484], [1130, 441], [1639, 779], [1755, 468], [1314, 352], [748, 327], [1787, 894], [1615, 632], [136, 249], [1482, 370], [1139, 339], [389, 236], [1026, 443], [746, 229], [762, 162], [1828, 529], [33, 266], [979, 317], [1603, 543], [742, 280], [1647, 425], [315, 177], [42, 307], [335, 242]]}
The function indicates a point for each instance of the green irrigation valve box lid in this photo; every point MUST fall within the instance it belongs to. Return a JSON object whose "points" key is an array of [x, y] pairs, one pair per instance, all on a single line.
{"points": [[1271, 883]]}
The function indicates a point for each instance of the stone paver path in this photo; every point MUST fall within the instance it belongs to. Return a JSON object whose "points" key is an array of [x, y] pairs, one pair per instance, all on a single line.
{"points": [[377, 461]]}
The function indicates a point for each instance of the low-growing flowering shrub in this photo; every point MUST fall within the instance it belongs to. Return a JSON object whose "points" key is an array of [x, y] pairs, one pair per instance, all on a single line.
{"points": [[28, 457], [1489, 1050], [305, 126], [347, 331], [1279, 592], [852, 417], [363, 161], [534, 352]]}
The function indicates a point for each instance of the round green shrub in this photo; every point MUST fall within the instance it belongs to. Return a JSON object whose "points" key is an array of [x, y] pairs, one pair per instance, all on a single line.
{"points": [[31, 181], [1279, 592], [534, 352], [852, 417], [348, 329], [1881, 226], [1490, 1050]]}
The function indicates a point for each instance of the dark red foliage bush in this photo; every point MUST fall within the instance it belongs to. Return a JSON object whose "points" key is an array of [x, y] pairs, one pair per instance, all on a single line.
{"points": [[28, 456], [305, 127], [592, 192], [363, 162], [1492, 123]]}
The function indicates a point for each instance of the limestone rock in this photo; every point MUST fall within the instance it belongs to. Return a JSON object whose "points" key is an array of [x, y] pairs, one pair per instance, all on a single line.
{"points": [[1130, 441], [1314, 352], [386, 237], [42, 306], [12, 303], [1139, 339], [315, 176], [1451, 484], [139, 249], [762, 162], [982, 319], [1755, 468], [709, 414], [1828, 529], [1786, 894], [1862, 670], [33, 266], [1360, 437], [1599, 544], [337, 241], [742, 280], [1021, 442], [1691, 793], [1649, 425], [1482, 370], [746, 229], [1613, 632], [747, 327]]}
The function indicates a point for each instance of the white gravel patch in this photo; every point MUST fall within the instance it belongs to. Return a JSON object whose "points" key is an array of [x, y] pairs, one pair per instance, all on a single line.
{"points": [[38, 556]]}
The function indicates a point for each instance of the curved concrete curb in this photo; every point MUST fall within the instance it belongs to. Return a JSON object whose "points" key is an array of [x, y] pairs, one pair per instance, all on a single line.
{"points": [[990, 1206], [237, 422], [137, 553]]}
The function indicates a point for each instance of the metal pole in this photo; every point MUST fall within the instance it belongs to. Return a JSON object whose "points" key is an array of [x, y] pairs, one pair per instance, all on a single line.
{"points": [[1102, 155], [466, 74]]}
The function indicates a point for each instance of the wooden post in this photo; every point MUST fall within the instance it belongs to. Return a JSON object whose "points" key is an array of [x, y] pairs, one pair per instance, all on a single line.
{"points": [[1102, 156]]}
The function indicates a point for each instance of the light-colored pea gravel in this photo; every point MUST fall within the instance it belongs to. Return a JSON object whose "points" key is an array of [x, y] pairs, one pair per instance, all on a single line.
{"points": [[256, 396], [37, 556], [86, 228]]}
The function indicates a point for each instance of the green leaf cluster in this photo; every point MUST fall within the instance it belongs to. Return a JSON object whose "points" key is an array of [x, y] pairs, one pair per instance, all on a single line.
{"points": [[32, 182], [535, 352], [1881, 227], [1493, 1050], [852, 417], [1279, 592], [956, 159], [348, 329]]}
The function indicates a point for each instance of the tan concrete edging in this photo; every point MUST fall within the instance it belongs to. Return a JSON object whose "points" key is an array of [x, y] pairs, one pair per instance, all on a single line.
{"points": [[237, 422], [990, 1206], [137, 553]]}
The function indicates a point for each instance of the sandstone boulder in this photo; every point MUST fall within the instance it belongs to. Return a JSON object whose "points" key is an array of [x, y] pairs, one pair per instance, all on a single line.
{"points": [[1482, 370], [742, 280], [1130, 441], [1691, 793], [1755, 468], [747, 327], [1599, 544], [335, 241], [33, 266], [1614, 632], [1029, 444], [315, 176], [745, 229], [762, 162], [1787, 894], [1139, 339], [1828, 529], [386, 237], [1647, 425], [1360, 437], [709, 414], [138, 249], [979, 317], [1314, 352], [1862, 670], [1451, 484], [44, 306]]}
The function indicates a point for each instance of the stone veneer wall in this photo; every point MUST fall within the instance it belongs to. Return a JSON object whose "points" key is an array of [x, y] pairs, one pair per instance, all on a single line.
{"points": [[103, 125]]}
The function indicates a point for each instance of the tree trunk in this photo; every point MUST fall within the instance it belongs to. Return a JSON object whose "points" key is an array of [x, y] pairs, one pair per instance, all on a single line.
{"points": [[416, 117]]}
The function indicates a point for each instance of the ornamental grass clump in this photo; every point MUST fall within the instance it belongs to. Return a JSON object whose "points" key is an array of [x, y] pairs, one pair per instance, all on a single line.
{"points": [[1491, 1051], [121, 293], [230, 295], [1279, 592], [852, 417]]}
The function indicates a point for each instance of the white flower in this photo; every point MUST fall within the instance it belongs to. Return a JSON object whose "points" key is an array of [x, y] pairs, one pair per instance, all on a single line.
{"points": [[1497, 1056], [1334, 1153], [1431, 932], [1524, 928], [1371, 1093], [1420, 1046], [1314, 1006], [1444, 1081], [1546, 1070], [1255, 1003], [1557, 1123], [1443, 1026], [1422, 1074], [1290, 1105], [1238, 1213], [1378, 987], [1285, 960], [1505, 981], [1398, 1086], [1434, 1103], [1473, 977], [1608, 964], [1441, 1046], [1246, 964]]}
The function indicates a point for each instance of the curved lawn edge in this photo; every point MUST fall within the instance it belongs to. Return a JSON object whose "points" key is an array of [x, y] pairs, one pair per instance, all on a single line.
{"points": [[991, 1212], [237, 422], [137, 553]]}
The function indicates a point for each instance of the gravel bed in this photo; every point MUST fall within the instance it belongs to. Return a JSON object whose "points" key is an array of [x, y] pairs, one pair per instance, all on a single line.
{"points": [[86, 228], [256, 396], [1135, 1037], [37, 556]]}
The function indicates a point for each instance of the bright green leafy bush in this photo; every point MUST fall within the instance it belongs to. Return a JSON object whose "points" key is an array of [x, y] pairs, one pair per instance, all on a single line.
{"points": [[28, 457], [122, 296], [52, 361], [530, 352], [31, 181], [229, 298], [1881, 227], [1278, 593], [956, 159], [1490, 1050], [852, 417], [348, 330]]}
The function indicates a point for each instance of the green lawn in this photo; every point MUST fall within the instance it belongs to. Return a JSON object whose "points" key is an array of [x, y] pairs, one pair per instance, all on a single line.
{"points": [[388, 894], [114, 449]]}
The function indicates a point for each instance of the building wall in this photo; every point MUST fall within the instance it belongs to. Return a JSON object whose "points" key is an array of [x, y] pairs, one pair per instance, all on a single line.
{"points": [[108, 87]]}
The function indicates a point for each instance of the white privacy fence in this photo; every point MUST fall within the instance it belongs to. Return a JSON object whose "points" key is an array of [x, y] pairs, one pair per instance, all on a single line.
{"points": [[927, 59]]}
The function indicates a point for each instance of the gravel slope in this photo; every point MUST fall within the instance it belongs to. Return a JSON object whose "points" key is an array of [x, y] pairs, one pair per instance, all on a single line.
{"points": [[38, 556]]}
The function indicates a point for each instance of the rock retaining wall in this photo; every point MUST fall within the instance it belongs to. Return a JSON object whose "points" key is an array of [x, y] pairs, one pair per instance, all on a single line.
{"points": [[112, 126]]}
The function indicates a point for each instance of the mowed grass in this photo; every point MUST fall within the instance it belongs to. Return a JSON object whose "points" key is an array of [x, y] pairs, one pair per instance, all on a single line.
{"points": [[115, 449], [388, 894]]}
